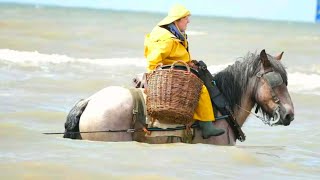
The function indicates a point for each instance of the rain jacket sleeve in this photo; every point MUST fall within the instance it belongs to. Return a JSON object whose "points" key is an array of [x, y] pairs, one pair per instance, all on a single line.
{"points": [[156, 51]]}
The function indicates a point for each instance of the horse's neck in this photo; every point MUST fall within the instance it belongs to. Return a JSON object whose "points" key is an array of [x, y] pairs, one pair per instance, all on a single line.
{"points": [[241, 113]]}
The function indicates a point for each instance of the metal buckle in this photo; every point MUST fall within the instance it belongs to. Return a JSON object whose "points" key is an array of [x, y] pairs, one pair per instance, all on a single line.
{"points": [[134, 111], [276, 100], [259, 74], [130, 130]]}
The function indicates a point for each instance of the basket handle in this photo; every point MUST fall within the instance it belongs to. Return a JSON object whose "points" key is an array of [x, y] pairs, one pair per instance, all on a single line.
{"points": [[158, 66], [182, 62]]}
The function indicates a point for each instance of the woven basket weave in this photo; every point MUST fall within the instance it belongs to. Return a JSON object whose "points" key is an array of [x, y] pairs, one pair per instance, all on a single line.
{"points": [[173, 95]]}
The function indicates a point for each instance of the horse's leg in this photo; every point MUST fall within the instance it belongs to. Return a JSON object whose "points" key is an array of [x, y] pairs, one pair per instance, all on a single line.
{"points": [[108, 109]]}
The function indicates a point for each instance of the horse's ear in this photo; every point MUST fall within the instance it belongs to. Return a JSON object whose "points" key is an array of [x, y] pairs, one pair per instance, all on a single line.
{"points": [[279, 56], [264, 59]]}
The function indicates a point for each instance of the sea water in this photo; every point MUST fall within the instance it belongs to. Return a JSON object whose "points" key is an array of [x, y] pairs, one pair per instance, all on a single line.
{"points": [[51, 57]]}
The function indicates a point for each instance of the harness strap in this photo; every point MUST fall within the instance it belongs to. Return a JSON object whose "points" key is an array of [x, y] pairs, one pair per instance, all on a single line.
{"points": [[273, 94], [139, 109], [218, 100]]}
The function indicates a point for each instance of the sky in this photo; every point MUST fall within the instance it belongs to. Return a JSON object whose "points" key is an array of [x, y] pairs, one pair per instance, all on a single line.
{"points": [[288, 10]]}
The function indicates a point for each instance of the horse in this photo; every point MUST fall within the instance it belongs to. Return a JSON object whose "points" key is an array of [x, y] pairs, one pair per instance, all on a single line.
{"points": [[255, 80]]}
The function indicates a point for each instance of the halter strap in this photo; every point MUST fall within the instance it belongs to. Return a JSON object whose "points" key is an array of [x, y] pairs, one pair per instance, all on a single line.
{"points": [[273, 79], [271, 82]]}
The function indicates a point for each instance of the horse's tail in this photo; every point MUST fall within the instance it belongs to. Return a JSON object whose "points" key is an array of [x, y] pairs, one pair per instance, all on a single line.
{"points": [[72, 124]]}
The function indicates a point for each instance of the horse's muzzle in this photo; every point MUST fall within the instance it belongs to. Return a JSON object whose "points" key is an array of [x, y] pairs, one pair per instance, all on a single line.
{"points": [[287, 119], [286, 116]]}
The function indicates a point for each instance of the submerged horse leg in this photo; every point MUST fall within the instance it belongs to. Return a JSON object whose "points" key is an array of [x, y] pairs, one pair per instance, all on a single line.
{"points": [[108, 109]]}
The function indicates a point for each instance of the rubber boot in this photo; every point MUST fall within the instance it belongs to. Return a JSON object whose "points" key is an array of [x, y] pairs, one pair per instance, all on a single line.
{"points": [[209, 130]]}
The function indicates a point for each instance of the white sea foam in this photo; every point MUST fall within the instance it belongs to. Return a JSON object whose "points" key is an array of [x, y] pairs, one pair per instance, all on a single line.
{"points": [[298, 82], [35, 59], [315, 68], [306, 83]]}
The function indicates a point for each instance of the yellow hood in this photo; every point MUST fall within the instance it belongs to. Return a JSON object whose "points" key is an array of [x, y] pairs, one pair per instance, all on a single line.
{"points": [[176, 12]]}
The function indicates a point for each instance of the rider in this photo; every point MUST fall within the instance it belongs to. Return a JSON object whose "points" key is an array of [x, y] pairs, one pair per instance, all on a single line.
{"points": [[168, 43]]}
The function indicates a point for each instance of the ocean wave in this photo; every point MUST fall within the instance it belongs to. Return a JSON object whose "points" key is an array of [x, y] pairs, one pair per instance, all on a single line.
{"points": [[299, 82], [36, 59], [304, 83], [315, 68]]}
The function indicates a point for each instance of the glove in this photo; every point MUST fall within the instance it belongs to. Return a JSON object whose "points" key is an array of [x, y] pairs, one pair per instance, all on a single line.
{"points": [[193, 64]]}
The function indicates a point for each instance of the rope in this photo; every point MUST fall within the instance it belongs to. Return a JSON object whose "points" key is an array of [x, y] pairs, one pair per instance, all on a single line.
{"points": [[259, 117], [139, 130]]}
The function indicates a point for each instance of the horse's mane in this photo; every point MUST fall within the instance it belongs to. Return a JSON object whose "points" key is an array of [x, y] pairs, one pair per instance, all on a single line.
{"points": [[233, 80]]}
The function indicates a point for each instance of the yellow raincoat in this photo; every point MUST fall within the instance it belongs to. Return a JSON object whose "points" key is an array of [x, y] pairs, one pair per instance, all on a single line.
{"points": [[161, 46]]}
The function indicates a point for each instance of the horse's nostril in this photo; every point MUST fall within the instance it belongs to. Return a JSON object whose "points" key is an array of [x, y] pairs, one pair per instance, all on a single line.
{"points": [[292, 117], [288, 112], [289, 117]]}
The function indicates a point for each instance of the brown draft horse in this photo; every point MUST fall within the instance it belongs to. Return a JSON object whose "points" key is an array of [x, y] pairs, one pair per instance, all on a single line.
{"points": [[256, 80]]}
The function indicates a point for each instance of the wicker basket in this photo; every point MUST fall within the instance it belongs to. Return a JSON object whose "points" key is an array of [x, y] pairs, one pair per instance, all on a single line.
{"points": [[173, 95]]}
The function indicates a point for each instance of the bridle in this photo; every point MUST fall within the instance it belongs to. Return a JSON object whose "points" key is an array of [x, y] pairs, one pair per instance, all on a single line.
{"points": [[273, 79]]}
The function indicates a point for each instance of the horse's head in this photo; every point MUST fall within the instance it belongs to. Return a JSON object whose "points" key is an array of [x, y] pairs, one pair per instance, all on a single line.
{"points": [[271, 92]]}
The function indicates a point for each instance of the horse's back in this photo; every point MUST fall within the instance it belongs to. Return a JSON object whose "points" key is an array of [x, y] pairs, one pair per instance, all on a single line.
{"points": [[108, 109]]}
